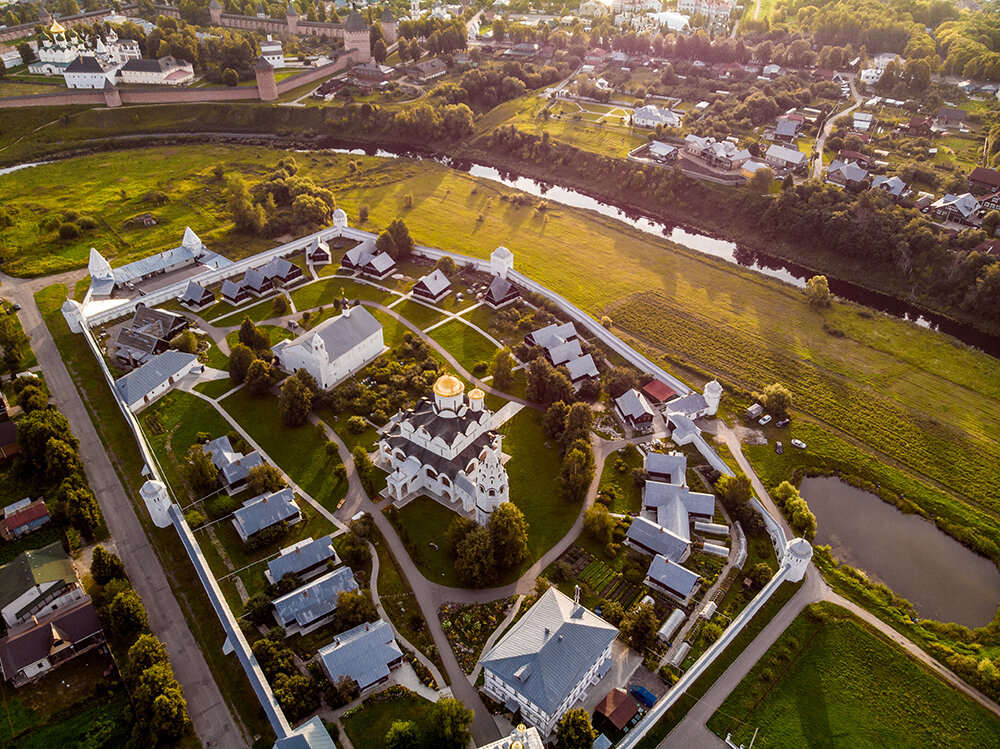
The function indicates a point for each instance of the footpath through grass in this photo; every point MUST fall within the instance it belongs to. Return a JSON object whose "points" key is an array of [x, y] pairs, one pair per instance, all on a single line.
{"points": [[830, 676]]}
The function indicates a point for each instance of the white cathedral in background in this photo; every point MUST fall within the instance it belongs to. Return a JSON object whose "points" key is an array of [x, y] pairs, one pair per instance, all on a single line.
{"points": [[449, 449]]}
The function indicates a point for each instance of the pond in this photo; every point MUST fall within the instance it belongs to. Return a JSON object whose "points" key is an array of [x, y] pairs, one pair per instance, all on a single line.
{"points": [[941, 578]]}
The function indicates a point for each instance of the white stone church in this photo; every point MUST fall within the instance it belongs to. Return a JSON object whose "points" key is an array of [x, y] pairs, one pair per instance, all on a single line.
{"points": [[449, 449]]}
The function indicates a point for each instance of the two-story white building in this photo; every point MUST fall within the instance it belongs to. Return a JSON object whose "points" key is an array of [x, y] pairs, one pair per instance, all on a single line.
{"points": [[334, 349], [549, 659]]}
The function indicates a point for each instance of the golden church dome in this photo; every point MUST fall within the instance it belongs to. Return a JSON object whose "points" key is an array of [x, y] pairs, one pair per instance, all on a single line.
{"points": [[476, 394], [57, 28], [448, 386]]}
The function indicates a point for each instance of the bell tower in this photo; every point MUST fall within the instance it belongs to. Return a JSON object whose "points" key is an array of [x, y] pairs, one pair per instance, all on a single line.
{"points": [[492, 485]]}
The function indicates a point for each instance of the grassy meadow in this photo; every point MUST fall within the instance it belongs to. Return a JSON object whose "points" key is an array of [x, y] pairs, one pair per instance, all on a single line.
{"points": [[830, 681]]}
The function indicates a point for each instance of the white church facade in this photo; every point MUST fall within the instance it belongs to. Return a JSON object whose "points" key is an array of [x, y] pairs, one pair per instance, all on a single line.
{"points": [[447, 448], [334, 349]]}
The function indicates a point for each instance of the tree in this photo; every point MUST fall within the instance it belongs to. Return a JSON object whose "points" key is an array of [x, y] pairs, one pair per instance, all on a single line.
{"points": [[499, 29], [185, 341], [474, 561], [554, 420], [160, 708], [13, 341], [264, 478], [296, 695], [508, 535], [818, 292], [402, 734], [379, 52], [61, 459], [309, 211], [546, 385], [599, 524], [385, 243], [34, 432], [248, 216], [618, 380], [990, 223], [576, 473], [574, 731], [240, 359], [502, 369], [295, 401], [777, 399], [449, 724], [27, 53], [458, 529], [401, 236], [639, 625], [579, 421], [230, 77], [126, 616], [733, 491], [362, 463], [760, 574], [612, 612], [253, 337], [342, 691], [258, 379], [356, 424], [257, 609], [200, 471], [354, 607], [32, 398], [105, 566], [761, 181], [146, 652]]}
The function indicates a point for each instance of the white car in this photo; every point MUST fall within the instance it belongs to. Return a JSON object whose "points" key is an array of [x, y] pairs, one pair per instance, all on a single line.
{"points": [[799, 444], [765, 420]]}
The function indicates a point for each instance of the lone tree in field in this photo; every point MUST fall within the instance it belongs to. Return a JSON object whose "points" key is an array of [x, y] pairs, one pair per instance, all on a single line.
{"points": [[502, 369], [776, 399], [818, 292], [474, 561], [574, 730]]}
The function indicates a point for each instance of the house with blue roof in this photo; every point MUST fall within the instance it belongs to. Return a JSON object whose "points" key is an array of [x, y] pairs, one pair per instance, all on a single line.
{"points": [[264, 511], [366, 654], [234, 467], [312, 605], [307, 558], [147, 383]]}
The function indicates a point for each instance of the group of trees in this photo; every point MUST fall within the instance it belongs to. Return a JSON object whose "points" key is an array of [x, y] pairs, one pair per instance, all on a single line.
{"points": [[483, 89], [418, 124], [448, 727], [297, 694], [280, 203], [13, 342], [776, 400], [800, 517], [159, 711], [570, 427], [483, 552], [395, 240], [50, 454]]}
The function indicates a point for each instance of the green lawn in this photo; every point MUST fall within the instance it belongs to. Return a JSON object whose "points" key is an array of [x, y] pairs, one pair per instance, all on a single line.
{"points": [[368, 725], [171, 425], [276, 333], [323, 293], [299, 452], [419, 314], [835, 682], [28, 361], [263, 310], [99, 724], [215, 388], [392, 329], [464, 343], [631, 495]]}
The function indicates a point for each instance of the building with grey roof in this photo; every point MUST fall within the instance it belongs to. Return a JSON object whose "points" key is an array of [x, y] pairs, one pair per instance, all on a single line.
{"points": [[196, 297], [256, 282], [365, 259], [672, 579], [149, 333], [266, 510], [280, 270], [36, 582], [306, 559], [234, 292], [500, 293], [366, 654], [847, 174], [529, 738], [234, 468], [634, 410], [310, 606], [547, 661], [563, 349], [334, 349], [651, 538], [580, 367], [894, 186], [551, 335], [668, 467], [433, 287], [145, 384]]}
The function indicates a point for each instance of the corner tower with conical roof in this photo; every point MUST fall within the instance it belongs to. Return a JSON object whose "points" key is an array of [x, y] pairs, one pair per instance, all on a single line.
{"points": [[215, 12]]}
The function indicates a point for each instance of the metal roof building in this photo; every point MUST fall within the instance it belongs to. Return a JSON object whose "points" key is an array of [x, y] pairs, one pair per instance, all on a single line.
{"points": [[302, 558], [310, 605], [264, 511], [366, 654]]}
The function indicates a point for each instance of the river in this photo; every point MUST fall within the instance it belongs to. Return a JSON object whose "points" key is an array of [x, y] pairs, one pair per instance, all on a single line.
{"points": [[767, 265], [941, 578]]}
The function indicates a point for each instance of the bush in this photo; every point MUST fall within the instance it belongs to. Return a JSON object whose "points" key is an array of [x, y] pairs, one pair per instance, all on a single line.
{"points": [[194, 518], [86, 223], [69, 231]]}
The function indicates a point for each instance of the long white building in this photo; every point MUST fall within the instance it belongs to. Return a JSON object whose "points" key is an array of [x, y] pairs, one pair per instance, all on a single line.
{"points": [[334, 349]]}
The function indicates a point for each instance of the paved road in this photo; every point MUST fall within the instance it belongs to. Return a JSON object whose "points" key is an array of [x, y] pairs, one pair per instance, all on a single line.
{"points": [[210, 715], [828, 128]]}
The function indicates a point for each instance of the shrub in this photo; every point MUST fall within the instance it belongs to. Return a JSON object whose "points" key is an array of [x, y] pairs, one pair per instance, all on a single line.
{"points": [[69, 231], [195, 518], [363, 212]]}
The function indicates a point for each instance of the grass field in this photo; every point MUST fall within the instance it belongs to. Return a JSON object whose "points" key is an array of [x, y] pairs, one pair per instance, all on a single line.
{"points": [[263, 310], [299, 452], [29, 359], [419, 314], [367, 727], [835, 682], [466, 344], [323, 293], [631, 499]]}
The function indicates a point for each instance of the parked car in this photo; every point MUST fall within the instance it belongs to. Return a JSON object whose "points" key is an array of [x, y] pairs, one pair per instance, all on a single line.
{"points": [[16, 307], [644, 696], [765, 420], [783, 423], [779, 448], [799, 444]]}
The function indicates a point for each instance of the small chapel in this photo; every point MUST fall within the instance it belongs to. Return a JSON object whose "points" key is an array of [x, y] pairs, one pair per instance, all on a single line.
{"points": [[447, 448]]}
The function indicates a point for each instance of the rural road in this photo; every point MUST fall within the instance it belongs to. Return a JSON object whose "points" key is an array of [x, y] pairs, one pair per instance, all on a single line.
{"points": [[828, 128], [212, 719]]}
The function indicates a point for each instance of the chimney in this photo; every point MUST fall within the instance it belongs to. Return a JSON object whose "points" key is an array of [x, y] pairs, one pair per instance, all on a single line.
{"points": [[576, 594], [34, 619], [298, 550]]}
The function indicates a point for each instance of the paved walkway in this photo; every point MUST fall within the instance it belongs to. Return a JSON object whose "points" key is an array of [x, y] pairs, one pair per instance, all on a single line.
{"points": [[209, 713], [828, 128]]}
